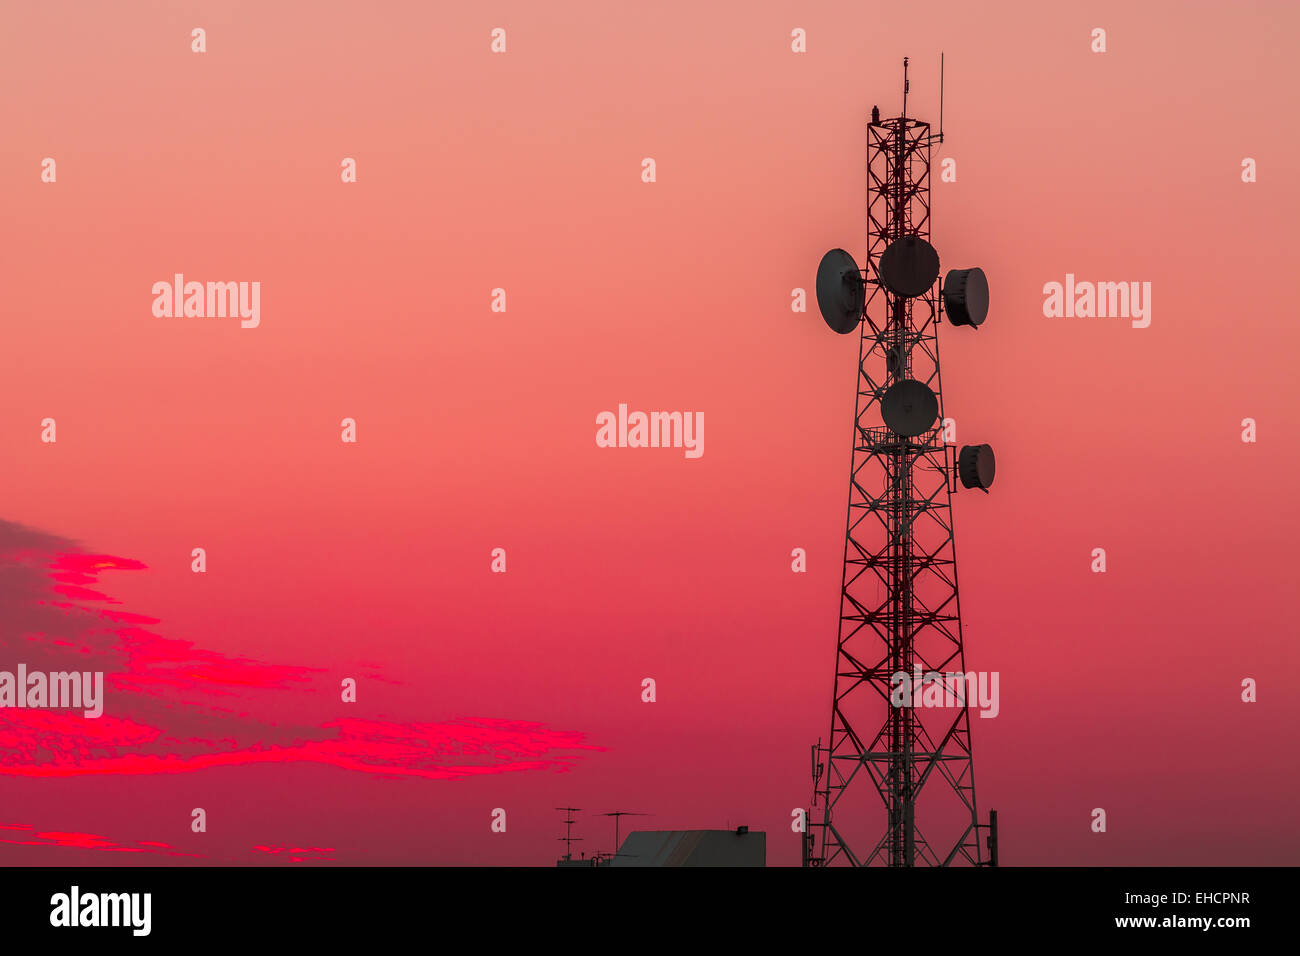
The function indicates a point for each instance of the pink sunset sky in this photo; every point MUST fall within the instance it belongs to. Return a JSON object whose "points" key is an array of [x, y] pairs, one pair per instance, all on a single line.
{"points": [[476, 429]]}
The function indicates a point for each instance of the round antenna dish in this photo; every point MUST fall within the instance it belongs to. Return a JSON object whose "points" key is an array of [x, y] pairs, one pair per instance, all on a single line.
{"points": [[975, 466], [966, 296], [909, 408], [909, 266], [839, 291]]}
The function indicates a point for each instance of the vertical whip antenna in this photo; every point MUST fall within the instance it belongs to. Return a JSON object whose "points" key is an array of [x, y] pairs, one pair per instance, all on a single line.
{"points": [[905, 87], [941, 96]]}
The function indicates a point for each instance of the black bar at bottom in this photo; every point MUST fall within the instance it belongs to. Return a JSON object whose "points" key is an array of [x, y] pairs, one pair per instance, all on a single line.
{"points": [[328, 906]]}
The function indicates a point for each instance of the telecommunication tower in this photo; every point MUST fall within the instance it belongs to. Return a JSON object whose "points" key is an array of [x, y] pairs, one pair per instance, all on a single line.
{"points": [[891, 768]]}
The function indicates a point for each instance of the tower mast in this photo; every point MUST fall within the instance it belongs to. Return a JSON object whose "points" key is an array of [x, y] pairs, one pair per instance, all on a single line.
{"points": [[890, 767]]}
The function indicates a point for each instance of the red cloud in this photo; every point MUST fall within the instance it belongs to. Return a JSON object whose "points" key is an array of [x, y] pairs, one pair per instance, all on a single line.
{"points": [[160, 715]]}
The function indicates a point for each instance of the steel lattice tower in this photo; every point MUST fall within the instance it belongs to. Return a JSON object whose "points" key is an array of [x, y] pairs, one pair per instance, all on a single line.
{"points": [[888, 770]]}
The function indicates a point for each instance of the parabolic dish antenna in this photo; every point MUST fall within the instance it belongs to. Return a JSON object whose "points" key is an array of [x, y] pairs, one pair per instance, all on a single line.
{"points": [[909, 266], [975, 466], [839, 291], [909, 408], [966, 296]]}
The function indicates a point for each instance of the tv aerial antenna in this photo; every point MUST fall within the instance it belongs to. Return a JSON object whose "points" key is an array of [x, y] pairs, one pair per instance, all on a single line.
{"points": [[618, 815], [568, 838]]}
